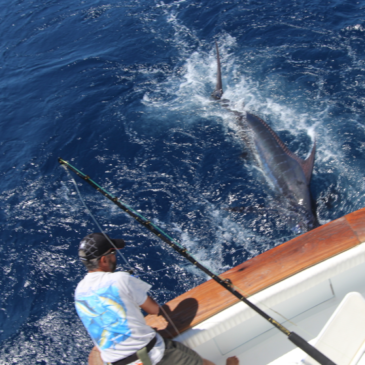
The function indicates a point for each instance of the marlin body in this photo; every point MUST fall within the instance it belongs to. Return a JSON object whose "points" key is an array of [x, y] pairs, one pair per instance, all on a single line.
{"points": [[287, 173]]}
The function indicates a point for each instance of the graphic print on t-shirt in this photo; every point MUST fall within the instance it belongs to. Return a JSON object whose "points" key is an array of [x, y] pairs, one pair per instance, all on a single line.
{"points": [[103, 314]]}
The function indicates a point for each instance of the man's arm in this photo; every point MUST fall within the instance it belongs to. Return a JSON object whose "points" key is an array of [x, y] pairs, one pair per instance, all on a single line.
{"points": [[150, 306]]}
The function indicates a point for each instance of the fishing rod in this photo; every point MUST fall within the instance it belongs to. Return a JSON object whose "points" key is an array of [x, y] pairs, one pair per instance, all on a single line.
{"points": [[226, 283]]}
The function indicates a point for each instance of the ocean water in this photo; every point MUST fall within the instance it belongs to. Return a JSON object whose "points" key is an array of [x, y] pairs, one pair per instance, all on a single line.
{"points": [[121, 90]]}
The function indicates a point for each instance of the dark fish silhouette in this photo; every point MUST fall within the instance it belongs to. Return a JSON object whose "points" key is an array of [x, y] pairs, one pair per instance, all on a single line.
{"points": [[289, 174]]}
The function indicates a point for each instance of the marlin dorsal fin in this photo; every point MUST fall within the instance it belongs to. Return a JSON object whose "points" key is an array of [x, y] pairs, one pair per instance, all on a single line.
{"points": [[218, 92]]}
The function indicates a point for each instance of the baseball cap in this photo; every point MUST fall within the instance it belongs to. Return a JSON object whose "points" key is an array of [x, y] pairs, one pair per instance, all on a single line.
{"points": [[96, 245]]}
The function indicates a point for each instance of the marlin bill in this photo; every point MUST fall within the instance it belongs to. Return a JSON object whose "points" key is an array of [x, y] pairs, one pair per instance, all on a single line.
{"points": [[288, 174]]}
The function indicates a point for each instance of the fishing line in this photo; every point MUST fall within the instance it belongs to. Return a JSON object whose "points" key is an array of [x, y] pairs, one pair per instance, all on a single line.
{"points": [[142, 220], [170, 320], [165, 268], [226, 283], [95, 221]]}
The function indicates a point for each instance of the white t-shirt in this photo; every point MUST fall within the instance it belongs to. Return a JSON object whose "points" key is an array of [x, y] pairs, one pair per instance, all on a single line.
{"points": [[108, 305]]}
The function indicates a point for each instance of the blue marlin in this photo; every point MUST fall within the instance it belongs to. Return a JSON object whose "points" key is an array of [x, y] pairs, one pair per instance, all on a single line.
{"points": [[287, 173]]}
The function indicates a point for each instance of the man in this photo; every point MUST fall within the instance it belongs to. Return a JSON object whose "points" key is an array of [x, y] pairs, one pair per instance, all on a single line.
{"points": [[109, 303]]}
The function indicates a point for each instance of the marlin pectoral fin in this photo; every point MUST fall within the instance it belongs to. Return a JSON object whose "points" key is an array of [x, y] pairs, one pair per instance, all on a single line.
{"points": [[218, 92], [307, 165]]}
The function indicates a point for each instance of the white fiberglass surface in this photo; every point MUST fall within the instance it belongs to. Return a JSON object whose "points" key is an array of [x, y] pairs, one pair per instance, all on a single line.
{"points": [[238, 331]]}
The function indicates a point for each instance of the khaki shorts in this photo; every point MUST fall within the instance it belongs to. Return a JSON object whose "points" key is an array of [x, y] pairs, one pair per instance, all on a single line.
{"points": [[178, 354]]}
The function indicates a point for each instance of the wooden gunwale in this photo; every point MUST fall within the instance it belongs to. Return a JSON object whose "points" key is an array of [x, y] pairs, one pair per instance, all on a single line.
{"points": [[261, 272]]}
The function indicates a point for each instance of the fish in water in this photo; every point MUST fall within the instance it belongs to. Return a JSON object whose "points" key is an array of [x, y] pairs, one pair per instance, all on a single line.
{"points": [[287, 173]]}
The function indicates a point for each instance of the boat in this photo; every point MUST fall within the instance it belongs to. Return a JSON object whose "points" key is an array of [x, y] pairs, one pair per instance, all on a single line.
{"points": [[313, 284]]}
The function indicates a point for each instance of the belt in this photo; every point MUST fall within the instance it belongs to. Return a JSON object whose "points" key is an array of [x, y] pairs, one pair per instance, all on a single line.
{"points": [[134, 356]]}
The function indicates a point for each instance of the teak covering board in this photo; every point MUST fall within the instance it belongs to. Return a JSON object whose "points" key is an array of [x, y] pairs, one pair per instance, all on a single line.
{"points": [[262, 271]]}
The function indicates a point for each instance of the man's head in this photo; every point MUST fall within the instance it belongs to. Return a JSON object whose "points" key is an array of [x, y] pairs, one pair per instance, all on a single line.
{"points": [[97, 252]]}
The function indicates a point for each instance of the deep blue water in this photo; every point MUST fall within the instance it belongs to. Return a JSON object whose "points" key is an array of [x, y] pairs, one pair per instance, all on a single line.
{"points": [[122, 91]]}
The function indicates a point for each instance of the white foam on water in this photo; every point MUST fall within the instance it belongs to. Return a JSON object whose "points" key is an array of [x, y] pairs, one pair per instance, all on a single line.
{"points": [[201, 254]]}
